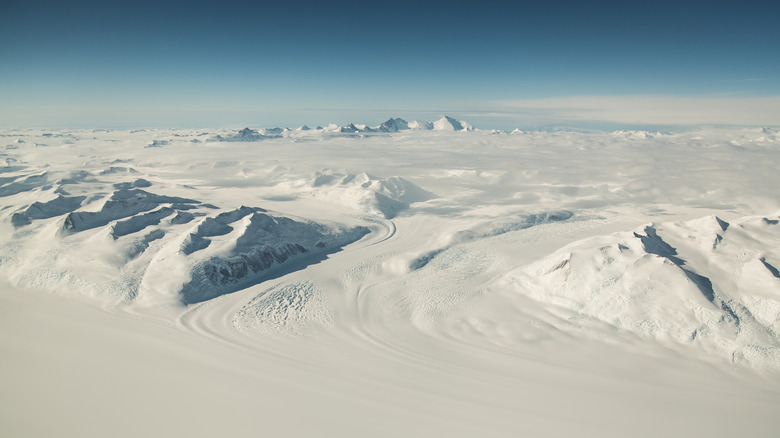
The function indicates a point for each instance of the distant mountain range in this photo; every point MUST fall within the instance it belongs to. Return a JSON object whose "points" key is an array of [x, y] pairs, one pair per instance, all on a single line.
{"points": [[446, 123]]}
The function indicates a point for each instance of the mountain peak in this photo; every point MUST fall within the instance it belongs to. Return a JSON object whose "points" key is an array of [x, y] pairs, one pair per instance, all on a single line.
{"points": [[447, 123], [394, 125]]}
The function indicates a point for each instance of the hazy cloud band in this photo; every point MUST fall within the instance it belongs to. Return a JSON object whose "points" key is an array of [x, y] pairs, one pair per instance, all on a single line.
{"points": [[645, 109]]}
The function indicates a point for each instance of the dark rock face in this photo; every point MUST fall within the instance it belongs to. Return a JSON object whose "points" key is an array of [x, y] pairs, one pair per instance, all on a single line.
{"points": [[217, 276], [268, 246], [394, 125], [229, 271]]}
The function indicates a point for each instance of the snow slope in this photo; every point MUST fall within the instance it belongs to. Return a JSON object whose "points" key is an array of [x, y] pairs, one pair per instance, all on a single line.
{"points": [[705, 284]]}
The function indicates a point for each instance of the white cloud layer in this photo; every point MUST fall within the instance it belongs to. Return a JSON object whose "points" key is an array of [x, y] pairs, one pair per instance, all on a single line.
{"points": [[646, 109], [600, 112]]}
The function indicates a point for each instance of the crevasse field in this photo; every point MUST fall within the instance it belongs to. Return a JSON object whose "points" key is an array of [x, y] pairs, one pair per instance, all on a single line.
{"points": [[396, 281]]}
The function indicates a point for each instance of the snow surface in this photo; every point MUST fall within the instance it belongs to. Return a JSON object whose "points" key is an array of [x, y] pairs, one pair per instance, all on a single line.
{"points": [[407, 279]]}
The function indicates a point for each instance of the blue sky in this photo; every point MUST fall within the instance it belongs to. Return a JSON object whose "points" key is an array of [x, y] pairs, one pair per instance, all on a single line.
{"points": [[201, 64]]}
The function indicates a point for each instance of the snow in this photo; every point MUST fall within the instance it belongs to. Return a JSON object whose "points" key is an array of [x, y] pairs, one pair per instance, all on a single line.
{"points": [[683, 282], [247, 134], [447, 123], [394, 125], [420, 124], [383, 196], [406, 279]]}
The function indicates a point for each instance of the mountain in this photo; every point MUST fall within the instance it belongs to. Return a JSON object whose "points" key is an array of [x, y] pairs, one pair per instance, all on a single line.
{"points": [[332, 127], [447, 123], [704, 283], [421, 125], [351, 128], [262, 244], [394, 125], [385, 197], [195, 250], [245, 134]]}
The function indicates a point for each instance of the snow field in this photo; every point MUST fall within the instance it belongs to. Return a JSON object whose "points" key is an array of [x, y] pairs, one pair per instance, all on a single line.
{"points": [[392, 282]]}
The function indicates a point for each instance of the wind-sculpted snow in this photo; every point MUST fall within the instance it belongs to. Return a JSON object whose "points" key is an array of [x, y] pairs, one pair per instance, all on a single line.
{"points": [[704, 283]]}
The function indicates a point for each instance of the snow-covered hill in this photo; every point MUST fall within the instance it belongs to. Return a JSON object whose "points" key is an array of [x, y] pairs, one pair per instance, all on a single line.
{"points": [[385, 197], [705, 283]]}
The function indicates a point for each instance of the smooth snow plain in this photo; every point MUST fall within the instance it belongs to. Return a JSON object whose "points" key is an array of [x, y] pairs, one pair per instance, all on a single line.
{"points": [[412, 279]]}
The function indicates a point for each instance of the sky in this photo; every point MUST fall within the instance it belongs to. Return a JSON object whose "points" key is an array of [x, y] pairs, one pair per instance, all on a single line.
{"points": [[498, 65]]}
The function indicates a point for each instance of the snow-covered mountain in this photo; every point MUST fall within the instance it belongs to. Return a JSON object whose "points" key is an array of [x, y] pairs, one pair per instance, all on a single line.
{"points": [[245, 134], [420, 125], [447, 123], [705, 283], [166, 247], [258, 244], [386, 197], [392, 125]]}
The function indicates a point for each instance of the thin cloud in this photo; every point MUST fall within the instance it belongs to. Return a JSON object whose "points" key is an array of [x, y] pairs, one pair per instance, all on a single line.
{"points": [[648, 110]]}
